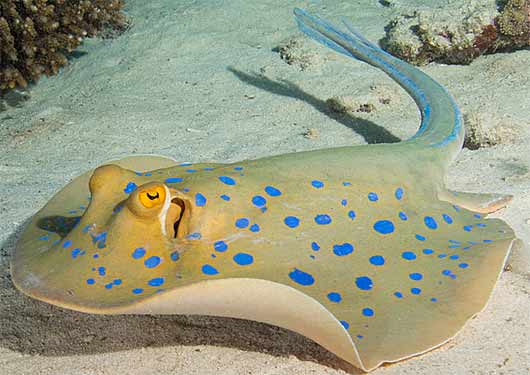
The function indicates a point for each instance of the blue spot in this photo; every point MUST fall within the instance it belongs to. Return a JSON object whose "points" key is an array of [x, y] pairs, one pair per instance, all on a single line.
{"points": [[291, 221], [301, 277], [368, 312], [342, 250], [174, 256], [384, 226], [360, 336], [220, 246], [208, 169], [243, 259], [398, 294], [408, 255], [345, 324], [477, 216], [416, 276], [224, 197], [138, 253], [468, 228], [209, 270], [194, 236], [44, 238], [428, 251], [377, 260], [242, 223], [419, 237], [90, 281], [346, 183], [403, 216], [351, 214], [441, 256], [131, 186], [76, 252], [259, 201], [430, 222], [108, 286], [454, 257], [72, 211], [200, 200], [364, 283], [415, 291], [173, 180], [315, 246], [66, 244], [454, 246], [481, 225], [191, 170], [95, 256], [272, 191], [152, 262], [448, 219], [157, 281], [399, 193], [227, 180], [137, 290], [344, 202], [323, 219], [434, 299], [334, 297], [238, 168], [372, 197], [185, 164], [318, 184], [457, 209], [463, 265], [446, 272], [101, 271]]}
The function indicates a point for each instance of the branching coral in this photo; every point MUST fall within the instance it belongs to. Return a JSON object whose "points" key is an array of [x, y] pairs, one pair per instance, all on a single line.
{"points": [[37, 35], [458, 36]]}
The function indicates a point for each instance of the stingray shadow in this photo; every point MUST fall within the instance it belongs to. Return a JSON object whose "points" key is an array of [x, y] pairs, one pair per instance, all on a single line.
{"points": [[32, 327], [370, 131]]}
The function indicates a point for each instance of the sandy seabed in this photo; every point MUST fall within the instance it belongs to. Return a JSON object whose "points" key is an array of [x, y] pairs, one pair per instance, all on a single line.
{"points": [[203, 81]]}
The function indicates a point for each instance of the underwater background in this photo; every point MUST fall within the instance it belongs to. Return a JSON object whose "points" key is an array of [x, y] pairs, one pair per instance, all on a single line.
{"points": [[224, 81]]}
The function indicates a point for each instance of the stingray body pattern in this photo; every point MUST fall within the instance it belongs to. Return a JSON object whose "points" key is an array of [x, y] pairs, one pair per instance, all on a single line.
{"points": [[361, 249]]}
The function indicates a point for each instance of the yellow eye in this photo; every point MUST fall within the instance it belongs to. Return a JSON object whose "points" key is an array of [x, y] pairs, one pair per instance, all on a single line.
{"points": [[152, 197]]}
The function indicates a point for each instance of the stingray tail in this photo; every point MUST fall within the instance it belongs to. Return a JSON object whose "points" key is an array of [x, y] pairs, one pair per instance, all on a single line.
{"points": [[441, 125]]}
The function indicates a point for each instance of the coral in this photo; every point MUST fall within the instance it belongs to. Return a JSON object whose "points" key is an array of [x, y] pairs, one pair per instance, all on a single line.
{"points": [[459, 35], [513, 25], [295, 51], [36, 36], [484, 129]]}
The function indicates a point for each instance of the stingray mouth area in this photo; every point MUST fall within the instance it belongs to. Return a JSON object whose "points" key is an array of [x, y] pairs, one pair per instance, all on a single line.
{"points": [[177, 218]]}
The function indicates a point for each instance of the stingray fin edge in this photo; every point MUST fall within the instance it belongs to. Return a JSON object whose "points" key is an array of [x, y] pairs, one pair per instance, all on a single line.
{"points": [[477, 202]]}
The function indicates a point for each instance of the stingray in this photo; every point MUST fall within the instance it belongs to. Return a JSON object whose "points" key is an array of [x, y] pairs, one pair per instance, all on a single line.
{"points": [[362, 249]]}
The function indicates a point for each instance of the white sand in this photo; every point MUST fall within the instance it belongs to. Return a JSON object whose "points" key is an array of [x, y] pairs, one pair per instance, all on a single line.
{"points": [[164, 87]]}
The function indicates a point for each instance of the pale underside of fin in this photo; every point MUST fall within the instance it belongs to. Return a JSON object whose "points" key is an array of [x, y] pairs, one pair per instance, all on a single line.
{"points": [[477, 202]]}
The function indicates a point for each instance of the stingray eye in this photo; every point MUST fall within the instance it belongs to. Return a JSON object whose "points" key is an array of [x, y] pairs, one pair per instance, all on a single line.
{"points": [[152, 197]]}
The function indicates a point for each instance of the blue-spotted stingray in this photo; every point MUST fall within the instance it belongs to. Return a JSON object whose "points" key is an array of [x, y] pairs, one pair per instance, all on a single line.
{"points": [[362, 249]]}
